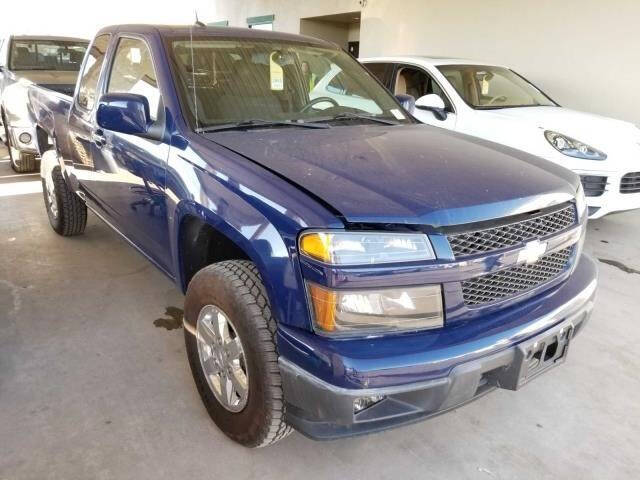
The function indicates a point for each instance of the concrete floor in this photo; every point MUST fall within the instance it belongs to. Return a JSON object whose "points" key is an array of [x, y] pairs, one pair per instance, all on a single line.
{"points": [[93, 386]]}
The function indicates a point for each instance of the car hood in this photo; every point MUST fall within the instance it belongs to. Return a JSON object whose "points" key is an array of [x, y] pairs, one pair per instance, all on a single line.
{"points": [[412, 174], [598, 131]]}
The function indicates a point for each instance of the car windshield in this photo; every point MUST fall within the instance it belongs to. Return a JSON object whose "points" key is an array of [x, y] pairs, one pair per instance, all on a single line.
{"points": [[46, 55], [484, 87], [224, 82]]}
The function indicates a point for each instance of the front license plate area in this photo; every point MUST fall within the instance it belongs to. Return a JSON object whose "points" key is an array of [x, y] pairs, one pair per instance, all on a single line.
{"points": [[535, 357]]}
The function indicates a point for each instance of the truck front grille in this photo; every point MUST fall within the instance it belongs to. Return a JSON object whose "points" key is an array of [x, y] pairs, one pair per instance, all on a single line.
{"points": [[594, 185], [513, 280], [630, 183], [509, 235]]}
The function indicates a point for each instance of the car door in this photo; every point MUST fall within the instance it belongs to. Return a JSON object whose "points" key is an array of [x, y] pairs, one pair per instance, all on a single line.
{"points": [[81, 120], [415, 81], [130, 170]]}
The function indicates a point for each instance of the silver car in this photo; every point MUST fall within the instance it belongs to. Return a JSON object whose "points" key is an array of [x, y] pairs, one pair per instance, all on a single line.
{"points": [[51, 62]]}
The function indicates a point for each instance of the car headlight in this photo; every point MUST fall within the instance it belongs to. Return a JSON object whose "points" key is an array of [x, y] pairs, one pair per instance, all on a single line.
{"points": [[371, 311], [572, 147], [365, 248], [581, 203]]}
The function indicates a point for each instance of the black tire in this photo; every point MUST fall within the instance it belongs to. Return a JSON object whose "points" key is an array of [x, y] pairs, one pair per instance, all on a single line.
{"points": [[236, 288], [71, 216], [25, 163]]}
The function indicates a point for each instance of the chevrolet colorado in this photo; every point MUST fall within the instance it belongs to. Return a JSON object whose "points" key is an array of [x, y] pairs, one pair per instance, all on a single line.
{"points": [[346, 269]]}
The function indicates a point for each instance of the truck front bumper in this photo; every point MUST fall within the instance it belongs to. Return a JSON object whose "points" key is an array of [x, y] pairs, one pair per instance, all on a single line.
{"points": [[324, 411], [30, 146]]}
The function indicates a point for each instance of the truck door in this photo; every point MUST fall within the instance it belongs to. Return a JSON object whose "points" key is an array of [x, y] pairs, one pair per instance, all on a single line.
{"points": [[130, 170], [81, 119]]}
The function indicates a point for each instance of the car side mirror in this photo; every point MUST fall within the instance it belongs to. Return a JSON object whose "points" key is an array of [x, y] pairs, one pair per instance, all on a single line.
{"points": [[124, 113], [432, 103], [408, 102]]}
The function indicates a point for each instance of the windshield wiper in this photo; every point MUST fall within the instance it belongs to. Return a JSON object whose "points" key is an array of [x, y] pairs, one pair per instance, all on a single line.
{"points": [[254, 123], [352, 115]]}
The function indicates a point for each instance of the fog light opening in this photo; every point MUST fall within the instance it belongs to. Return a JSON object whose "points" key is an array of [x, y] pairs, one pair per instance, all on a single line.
{"points": [[362, 403], [25, 138]]}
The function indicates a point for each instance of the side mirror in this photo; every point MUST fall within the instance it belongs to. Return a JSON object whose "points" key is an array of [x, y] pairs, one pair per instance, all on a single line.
{"points": [[433, 103], [124, 113], [408, 102]]}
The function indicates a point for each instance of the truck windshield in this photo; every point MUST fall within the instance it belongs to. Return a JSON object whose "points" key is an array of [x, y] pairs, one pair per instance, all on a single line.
{"points": [[484, 87], [229, 81], [46, 55]]}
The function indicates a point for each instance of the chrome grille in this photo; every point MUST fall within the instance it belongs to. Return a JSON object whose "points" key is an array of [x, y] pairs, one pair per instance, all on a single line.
{"points": [[496, 238], [510, 281], [630, 183], [594, 185]]}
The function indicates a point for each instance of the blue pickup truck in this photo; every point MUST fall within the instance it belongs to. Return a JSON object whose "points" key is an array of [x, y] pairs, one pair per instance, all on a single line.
{"points": [[346, 269]]}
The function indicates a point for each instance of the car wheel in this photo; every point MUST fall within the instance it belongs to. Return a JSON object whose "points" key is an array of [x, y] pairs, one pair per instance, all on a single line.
{"points": [[230, 338], [67, 212]]}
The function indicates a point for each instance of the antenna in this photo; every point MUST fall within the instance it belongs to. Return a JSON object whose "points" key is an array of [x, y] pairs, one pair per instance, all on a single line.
{"points": [[193, 75], [198, 22]]}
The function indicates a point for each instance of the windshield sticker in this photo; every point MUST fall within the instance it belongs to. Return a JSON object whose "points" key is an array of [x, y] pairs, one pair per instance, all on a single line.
{"points": [[397, 113], [276, 74], [485, 86]]}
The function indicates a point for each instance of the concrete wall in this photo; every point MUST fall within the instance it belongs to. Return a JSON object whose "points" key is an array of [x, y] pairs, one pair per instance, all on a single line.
{"points": [[82, 18], [583, 53], [334, 32]]}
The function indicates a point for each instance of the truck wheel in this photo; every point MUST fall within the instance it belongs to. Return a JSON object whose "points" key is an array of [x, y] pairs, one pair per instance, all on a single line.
{"points": [[67, 212], [230, 337]]}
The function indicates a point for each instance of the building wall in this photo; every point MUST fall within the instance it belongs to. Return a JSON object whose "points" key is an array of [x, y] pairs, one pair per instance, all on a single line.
{"points": [[583, 53], [334, 32]]}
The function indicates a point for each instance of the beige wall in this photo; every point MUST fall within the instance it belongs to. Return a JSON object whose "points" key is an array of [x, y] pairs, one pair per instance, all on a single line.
{"points": [[583, 53], [333, 32]]}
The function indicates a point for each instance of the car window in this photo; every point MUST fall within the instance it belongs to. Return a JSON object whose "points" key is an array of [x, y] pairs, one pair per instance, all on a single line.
{"points": [[380, 71], [91, 73], [32, 54], [132, 72], [418, 83], [488, 87]]}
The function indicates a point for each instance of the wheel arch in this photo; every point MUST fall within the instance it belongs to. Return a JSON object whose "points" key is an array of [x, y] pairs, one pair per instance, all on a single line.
{"points": [[203, 237]]}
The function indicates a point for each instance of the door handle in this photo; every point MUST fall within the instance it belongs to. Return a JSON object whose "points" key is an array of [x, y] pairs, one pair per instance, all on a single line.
{"points": [[98, 138]]}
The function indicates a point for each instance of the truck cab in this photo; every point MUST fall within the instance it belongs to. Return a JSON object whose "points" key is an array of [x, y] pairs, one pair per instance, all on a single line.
{"points": [[345, 268]]}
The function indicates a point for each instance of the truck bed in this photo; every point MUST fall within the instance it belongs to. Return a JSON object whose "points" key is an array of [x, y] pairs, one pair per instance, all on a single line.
{"points": [[50, 110]]}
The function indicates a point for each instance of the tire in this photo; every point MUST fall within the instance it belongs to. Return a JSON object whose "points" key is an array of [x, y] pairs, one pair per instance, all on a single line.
{"points": [[67, 212], [236, 289]]}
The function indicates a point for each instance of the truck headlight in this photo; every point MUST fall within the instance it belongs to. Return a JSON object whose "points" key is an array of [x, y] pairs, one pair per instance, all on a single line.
{"points": [[572, 147], [365, 248], [348, 312]]}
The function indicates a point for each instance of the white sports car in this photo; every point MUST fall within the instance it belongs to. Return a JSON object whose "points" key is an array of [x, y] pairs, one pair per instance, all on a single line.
{"points": [[497, 104]]}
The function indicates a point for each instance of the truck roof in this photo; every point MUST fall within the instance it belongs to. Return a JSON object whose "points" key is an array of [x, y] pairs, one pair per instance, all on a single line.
{"points": [[48, 37], [233, 32]]}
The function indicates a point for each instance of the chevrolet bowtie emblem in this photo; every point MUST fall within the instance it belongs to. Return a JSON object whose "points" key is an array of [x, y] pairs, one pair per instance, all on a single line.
{"points": [[532, 252]]}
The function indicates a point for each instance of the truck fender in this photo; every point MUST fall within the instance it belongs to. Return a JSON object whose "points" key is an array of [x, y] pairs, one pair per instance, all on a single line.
{"points": [[48, 161]]}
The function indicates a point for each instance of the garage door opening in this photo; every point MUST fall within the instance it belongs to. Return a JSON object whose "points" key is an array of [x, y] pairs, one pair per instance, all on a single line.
{"points": [[341, 28]]}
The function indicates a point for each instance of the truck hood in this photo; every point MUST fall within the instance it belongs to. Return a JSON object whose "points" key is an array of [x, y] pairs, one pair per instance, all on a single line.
{"points": [[600, 132], [413, 174]]}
